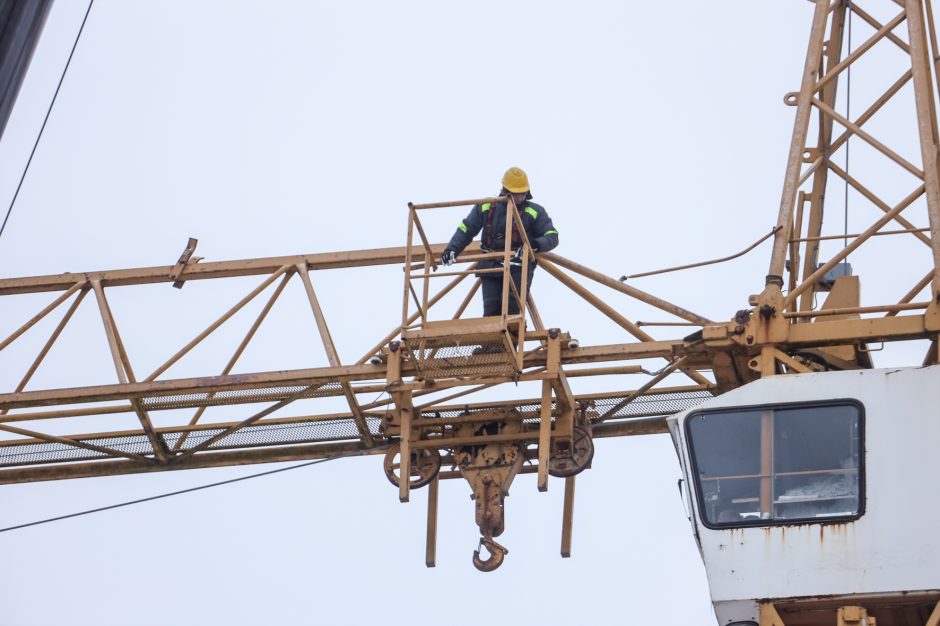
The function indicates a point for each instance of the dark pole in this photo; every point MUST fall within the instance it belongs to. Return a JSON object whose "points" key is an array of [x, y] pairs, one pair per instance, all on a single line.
{"points": [[21, 22]]}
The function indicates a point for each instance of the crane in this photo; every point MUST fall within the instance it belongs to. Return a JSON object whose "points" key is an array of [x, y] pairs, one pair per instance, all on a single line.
{"points": [[487, 443]]}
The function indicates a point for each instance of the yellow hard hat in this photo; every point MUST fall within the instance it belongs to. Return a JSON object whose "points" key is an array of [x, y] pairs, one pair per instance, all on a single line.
{"points": [[515, 180]]}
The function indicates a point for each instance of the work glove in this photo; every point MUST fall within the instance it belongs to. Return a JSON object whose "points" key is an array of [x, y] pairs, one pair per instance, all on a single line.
{"points": [[448, 257]]}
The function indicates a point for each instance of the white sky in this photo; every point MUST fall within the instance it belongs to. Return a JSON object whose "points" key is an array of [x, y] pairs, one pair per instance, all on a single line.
{"points": [[654, 133]]}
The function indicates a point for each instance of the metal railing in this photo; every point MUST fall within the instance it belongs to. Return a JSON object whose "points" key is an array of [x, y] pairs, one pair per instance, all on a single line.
{"points": [[427, 268]]}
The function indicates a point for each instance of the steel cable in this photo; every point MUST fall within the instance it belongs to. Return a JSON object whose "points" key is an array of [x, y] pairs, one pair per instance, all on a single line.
{"points": [[167, 495], [772, 232]]}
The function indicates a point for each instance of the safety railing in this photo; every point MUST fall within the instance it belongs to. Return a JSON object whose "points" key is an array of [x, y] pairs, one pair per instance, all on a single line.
{"points": [[425, 267]]}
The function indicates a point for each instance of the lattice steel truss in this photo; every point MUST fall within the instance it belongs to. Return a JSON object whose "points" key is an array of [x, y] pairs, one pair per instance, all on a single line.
{"points": [[423, 358], [811, 160], [191, 443]]}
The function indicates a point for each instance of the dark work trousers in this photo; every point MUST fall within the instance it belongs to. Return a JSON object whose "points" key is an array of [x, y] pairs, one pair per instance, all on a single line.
{"points": [[492, 285]]}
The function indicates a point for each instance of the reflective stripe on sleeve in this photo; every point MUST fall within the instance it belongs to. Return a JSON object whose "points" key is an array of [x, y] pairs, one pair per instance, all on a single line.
{"points": [[532, 212], [462, 226], [485, 207], [550, 232]]}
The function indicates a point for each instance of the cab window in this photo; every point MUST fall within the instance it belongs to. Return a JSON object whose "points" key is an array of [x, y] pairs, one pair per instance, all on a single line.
{"points": [[782, 464]]}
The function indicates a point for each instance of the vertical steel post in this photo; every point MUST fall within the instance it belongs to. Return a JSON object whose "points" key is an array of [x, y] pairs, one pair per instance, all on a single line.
{"points": [[769, 615], [426, 286], [933, 44], [426, 271], [817, 194], [567, 517], [924, 102], [430, 552], [404, 306], [797, 143], [523, 290], [404, 468], [507, 250], [523, 298], [768, 361], [545, 434]]}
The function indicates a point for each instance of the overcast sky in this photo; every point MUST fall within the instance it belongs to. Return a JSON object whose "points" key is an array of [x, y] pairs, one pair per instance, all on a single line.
{"points": [[654, 133]]}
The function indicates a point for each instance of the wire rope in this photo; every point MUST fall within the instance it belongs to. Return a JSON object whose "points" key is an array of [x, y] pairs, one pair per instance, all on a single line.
{"points": [[167, 495]]}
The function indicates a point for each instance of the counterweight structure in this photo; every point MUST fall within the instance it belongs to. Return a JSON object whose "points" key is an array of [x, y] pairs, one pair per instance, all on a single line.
{"points": [[428, 365]]}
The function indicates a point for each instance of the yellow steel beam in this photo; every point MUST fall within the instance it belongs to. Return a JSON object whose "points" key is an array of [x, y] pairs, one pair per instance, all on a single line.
{"points": [[70, 288], [308, 377], [205, 460], [769, 615], [934, 619], [217, 269], [567, 517]]}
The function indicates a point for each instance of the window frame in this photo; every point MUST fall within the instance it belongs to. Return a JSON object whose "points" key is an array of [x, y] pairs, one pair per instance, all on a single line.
{"points": [[761, 523]]}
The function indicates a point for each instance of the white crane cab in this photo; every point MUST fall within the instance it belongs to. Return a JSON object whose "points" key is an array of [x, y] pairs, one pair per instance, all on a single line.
{"points": [[814, 497]]}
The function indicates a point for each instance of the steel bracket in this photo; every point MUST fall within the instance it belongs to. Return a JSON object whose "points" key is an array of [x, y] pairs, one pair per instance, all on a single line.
{"points": [[185, 259]]}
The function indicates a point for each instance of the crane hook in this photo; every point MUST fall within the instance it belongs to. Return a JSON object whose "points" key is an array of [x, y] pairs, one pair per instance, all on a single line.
{"points": [[497, 554]]}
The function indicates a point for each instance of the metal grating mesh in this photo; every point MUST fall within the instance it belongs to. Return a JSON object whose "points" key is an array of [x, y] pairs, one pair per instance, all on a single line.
{"points": [[526, 410], [328, 430], [476, 358], [261, 435], [52, 452], [241, 396], [649, 405], [644, 406]]}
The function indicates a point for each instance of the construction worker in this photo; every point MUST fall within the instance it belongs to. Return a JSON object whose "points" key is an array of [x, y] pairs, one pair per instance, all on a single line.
{"points": [[491, 219]]}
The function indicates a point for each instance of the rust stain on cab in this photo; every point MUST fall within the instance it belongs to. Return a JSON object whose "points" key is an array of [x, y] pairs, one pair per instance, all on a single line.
{"points": [[834, 528]]}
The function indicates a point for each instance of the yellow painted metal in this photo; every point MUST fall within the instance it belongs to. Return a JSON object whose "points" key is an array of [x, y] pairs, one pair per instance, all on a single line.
{"points": [[405, 409], [934, 619], [769, 615], [545, 432], [430, 552], [74, 286], [854, 616], [515, 180], [567, 518], [791, 363], [777, 334]]}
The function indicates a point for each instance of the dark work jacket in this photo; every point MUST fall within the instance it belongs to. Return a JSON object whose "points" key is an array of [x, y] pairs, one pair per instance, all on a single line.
{"points": [[535, 220]]}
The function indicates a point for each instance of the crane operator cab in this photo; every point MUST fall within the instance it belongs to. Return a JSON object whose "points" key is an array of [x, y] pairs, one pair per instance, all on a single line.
{"points": [[813, 498], [486, 445]]}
